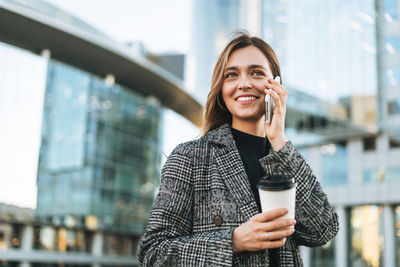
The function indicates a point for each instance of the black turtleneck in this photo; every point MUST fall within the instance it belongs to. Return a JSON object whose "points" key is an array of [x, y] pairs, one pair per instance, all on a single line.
{"points": [[251, 149]]}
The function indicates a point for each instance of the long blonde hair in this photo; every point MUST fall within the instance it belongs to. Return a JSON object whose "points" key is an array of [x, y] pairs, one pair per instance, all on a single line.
{"points": [[215, 111]]}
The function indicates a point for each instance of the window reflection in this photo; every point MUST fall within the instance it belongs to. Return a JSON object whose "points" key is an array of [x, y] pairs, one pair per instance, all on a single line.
{"points": [[44, 238], [390, 9], [366, 233], [61, 239], [334, 164], [118, 244], [10, 236], [324, 256]]}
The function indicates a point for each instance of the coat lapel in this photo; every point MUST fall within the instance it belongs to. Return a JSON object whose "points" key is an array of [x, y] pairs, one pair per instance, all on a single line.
{"points": [[232, 170]]}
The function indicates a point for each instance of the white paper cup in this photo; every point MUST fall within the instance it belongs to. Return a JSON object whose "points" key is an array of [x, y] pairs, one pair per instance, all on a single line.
{"points": [[276, 192]]}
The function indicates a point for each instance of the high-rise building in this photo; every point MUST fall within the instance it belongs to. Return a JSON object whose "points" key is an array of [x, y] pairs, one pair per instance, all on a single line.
{"points": [[347, 52], [340, 62], [213, 21]]}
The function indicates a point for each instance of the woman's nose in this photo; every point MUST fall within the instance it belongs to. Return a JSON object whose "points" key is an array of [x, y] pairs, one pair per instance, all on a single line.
{"points": [[244, 82]]}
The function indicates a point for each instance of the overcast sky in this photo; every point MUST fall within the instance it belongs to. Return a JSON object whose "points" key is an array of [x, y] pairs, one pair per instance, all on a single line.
{"points": [[163, 26]]}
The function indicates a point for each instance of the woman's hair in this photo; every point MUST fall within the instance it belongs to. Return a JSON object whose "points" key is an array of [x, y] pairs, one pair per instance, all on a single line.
{"points": [[215, 111]]}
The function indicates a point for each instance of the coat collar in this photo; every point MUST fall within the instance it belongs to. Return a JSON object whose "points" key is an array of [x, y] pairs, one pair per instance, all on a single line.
{"points": [[232, 170], [221, 135]]}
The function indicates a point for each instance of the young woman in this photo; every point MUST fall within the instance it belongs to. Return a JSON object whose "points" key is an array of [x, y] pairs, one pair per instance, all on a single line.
{"points": [[207, 211]]}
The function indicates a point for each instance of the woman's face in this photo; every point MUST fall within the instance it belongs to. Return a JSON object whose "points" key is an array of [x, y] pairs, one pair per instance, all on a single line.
{"points": [[245, 78]]}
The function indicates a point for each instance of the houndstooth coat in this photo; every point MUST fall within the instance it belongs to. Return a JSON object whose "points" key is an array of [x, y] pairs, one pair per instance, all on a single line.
{"points": [[205, 194]]}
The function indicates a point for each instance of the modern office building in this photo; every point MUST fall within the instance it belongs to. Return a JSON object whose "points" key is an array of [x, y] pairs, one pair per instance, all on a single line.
{"points": [[348, 52], [212, 22], [340, 62], [94, 109]]}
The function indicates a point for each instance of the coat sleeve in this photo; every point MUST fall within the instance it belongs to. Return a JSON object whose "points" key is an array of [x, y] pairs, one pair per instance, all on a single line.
{"points": [[168, 239], [317, 222]]}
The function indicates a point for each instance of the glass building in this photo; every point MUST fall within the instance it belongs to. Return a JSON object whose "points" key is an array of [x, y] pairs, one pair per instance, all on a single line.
{"points": [[347, 53], [213, 21], [101, 148], [82, 126]]}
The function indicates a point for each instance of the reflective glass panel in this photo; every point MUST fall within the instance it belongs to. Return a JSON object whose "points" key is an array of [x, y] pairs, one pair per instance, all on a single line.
{"points": [[390, 10], [393, 76], [366, 234], [334, 164], [324, 256]]}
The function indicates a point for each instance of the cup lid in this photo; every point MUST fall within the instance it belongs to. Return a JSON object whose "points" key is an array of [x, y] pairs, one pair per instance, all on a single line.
{"points": [[276, 183]]}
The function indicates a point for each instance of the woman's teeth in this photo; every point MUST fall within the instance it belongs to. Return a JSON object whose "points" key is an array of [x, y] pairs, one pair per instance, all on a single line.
{"points": [[246, 98]]}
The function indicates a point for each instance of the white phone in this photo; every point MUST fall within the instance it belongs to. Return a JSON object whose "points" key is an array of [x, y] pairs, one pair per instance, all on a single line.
{"points": [[269, 104]]}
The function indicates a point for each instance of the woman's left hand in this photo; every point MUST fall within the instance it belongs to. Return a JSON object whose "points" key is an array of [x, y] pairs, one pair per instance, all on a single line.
{"points": [[275, 132]]}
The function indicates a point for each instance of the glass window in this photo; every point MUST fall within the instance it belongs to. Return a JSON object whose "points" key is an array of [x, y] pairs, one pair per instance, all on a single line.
{"points": [[393, 76], [392, 173], [115, 244], [10, 236], [44, 237], [369, 143], [324, 256], [370, 175], [72, 240], [334, 164], [394, 107], [374, 175], [366, 236], [394, 141], [390, 10], [392, 44]]}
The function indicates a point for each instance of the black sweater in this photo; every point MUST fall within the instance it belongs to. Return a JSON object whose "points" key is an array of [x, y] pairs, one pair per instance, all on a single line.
{"points": [[251, 149]]}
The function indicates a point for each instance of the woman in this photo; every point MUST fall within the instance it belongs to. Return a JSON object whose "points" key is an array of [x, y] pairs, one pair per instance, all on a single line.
{"points": [[207, 211]]}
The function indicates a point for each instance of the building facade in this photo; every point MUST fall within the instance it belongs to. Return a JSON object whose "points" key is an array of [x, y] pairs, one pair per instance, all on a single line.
{"points": [[347, 52], [82, 117], [340, 62]]}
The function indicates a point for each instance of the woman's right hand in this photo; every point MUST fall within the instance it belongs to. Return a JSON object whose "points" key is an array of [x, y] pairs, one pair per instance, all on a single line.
{"points": [[263, 231]]}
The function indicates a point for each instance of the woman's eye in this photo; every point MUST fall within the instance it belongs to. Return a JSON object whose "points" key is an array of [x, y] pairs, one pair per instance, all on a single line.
{"points": [[230, 75], [258, 73]]}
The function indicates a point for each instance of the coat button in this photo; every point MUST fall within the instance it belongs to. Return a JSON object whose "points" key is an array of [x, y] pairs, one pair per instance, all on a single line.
{"points": [[218, 220]]}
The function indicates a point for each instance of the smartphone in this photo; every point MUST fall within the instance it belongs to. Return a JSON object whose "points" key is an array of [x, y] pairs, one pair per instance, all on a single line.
{"points": [[269, 104]]}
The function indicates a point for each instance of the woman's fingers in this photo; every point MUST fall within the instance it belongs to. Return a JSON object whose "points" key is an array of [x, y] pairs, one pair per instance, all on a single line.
{"points": [[276, 235], [269, 215], [277, 92], [278, 88], [278, 224]]}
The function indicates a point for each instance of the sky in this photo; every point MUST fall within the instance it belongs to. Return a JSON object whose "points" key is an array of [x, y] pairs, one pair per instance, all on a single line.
{"points": [[163, 26]]}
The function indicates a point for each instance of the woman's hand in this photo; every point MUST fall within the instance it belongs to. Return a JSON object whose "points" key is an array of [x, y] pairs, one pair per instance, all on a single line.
{"points": [[263, 231], [275, 131]]}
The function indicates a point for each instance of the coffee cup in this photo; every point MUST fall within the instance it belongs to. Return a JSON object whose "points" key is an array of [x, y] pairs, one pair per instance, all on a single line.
{"points": [[278, 191]]}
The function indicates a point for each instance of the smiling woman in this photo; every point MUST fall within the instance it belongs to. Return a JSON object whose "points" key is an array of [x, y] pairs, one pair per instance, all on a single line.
{"points": [[207, 211]]}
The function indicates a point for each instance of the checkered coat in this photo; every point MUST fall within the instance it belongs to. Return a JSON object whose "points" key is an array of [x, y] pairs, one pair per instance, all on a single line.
{"points": [[205, 194]]}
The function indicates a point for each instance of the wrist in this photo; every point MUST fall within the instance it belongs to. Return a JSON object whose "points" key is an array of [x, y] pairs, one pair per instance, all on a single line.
{"points": [[278, 143], [235, 248]]}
